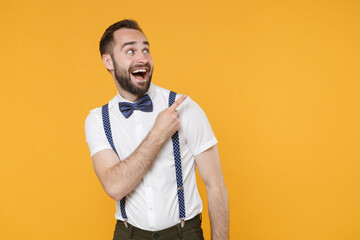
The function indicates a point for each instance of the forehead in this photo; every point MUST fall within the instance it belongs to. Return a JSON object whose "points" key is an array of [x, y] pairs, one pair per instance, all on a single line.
{"points": [[125, 35]]}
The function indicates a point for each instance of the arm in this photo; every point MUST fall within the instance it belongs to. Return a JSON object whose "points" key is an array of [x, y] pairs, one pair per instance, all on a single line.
{"points": [[208, 163], [119, 177]]}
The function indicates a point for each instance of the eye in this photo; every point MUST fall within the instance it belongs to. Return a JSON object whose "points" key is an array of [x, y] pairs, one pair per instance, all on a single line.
{"points": [[130, 51], [146, 50]]}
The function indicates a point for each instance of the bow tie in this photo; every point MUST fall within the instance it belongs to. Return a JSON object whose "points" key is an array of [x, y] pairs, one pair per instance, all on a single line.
{"points": [[144, 104]]}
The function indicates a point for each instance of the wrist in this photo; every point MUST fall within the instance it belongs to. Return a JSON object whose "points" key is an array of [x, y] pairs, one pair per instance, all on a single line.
{"points": [[156, 137]]}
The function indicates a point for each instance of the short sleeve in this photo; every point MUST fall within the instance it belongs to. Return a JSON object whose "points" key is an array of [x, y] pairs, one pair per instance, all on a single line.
{"points": [[94, 131], [196, 127]]}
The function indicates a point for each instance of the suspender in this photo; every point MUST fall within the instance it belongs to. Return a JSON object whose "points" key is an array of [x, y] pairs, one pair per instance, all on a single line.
{"points": [[107, 129], [178, 170], [177, 159]]}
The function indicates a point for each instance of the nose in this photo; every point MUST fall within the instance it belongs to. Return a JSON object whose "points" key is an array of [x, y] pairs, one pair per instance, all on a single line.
{"points": [[142, 58]]}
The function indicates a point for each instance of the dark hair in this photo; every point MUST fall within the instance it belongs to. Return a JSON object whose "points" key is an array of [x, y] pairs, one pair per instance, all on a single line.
{"points": [[106, 42]]}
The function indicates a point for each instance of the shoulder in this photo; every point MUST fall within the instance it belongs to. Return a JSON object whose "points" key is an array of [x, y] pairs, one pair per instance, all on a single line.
{"points": [[189, 106], [95, 115]]}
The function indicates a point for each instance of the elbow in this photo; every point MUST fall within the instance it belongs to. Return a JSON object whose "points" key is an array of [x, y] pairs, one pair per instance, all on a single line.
{"points": [[115, 193], [117, 198]]}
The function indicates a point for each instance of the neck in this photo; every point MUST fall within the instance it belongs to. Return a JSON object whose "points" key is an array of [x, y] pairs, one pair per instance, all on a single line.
{"points": [[125, 94], [128, 96]]}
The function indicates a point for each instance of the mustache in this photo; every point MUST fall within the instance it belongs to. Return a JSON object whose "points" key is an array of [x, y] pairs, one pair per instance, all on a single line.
{"points": [[147, 65]]}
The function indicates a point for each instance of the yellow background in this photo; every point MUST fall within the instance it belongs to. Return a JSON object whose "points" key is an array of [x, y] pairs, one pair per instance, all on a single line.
{"points": [[279, 81]]}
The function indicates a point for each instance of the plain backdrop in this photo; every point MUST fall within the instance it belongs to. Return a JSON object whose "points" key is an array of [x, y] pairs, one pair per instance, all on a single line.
{"points": [[278, 80]]}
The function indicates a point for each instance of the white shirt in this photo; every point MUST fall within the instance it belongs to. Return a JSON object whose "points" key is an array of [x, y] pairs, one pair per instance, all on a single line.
{"points": [[153, 204]]}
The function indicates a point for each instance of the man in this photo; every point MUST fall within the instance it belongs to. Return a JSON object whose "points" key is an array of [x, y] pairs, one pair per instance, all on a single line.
{"points": [[144, 151]]}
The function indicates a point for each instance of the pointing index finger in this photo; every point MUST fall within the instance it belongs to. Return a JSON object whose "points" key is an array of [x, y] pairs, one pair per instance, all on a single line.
{"points": [[178, 102]]}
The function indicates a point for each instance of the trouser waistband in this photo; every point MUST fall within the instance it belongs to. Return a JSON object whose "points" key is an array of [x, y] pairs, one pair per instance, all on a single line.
{"points": [[175, 230]]}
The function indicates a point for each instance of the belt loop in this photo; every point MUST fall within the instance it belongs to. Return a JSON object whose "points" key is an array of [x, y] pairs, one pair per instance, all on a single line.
{"points": [[179, 230]]}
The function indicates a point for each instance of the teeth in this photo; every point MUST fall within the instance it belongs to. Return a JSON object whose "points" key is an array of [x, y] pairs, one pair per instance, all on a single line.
{"points": [[139, 70]]}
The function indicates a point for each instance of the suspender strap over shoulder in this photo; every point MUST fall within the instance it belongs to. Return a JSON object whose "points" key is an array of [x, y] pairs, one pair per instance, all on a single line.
{"points": [[107, 129]]}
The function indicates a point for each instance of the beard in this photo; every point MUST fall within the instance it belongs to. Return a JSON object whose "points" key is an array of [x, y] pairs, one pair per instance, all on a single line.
{"points": [[123, 78]]}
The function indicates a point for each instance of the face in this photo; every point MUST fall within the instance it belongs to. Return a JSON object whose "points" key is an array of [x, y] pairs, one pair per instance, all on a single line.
{"points": [[132, 61]]}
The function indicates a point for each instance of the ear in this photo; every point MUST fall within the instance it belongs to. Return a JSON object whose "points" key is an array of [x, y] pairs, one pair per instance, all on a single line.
{"points": [[107, 61]]}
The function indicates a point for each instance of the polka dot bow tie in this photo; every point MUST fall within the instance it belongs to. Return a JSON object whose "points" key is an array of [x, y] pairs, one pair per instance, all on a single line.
{"points": [[144, 104]]}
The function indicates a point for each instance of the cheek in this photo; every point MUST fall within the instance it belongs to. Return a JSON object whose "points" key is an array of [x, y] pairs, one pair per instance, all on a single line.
{"points": [[150, 62], [123, 61], [124, 65]]}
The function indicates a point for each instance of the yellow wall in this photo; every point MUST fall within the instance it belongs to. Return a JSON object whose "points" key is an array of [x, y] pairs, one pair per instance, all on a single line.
{"points": [[279, 81]]}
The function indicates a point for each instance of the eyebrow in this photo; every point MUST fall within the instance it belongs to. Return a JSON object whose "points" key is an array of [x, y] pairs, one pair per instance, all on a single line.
{"points": [[132, 43]]}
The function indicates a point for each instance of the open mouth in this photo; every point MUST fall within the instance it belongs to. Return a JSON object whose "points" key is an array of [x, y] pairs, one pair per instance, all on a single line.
{"points": [[139, 74]]}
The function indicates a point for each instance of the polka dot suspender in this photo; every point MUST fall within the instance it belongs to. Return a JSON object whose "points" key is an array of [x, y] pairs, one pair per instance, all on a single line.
{"points": [[177, 158], [107, 128]]}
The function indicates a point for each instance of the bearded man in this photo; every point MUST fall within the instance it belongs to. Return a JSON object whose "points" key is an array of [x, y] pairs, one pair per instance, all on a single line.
{"points": [[145, 145]]}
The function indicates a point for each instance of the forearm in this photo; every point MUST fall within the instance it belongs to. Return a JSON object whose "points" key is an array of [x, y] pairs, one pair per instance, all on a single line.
{"points": [[118, 178], [218, 204], [125, 175]]}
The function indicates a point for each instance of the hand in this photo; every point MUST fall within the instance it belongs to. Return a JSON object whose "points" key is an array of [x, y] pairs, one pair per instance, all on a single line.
{"points": [[167, 122]]}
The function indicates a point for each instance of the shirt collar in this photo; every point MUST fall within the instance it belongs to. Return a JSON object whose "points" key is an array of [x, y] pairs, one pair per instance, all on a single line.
{"points": [[151, 92]]}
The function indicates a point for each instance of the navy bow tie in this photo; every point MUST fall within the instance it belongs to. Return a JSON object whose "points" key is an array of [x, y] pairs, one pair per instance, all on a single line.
{"points": [[144, 104]]}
